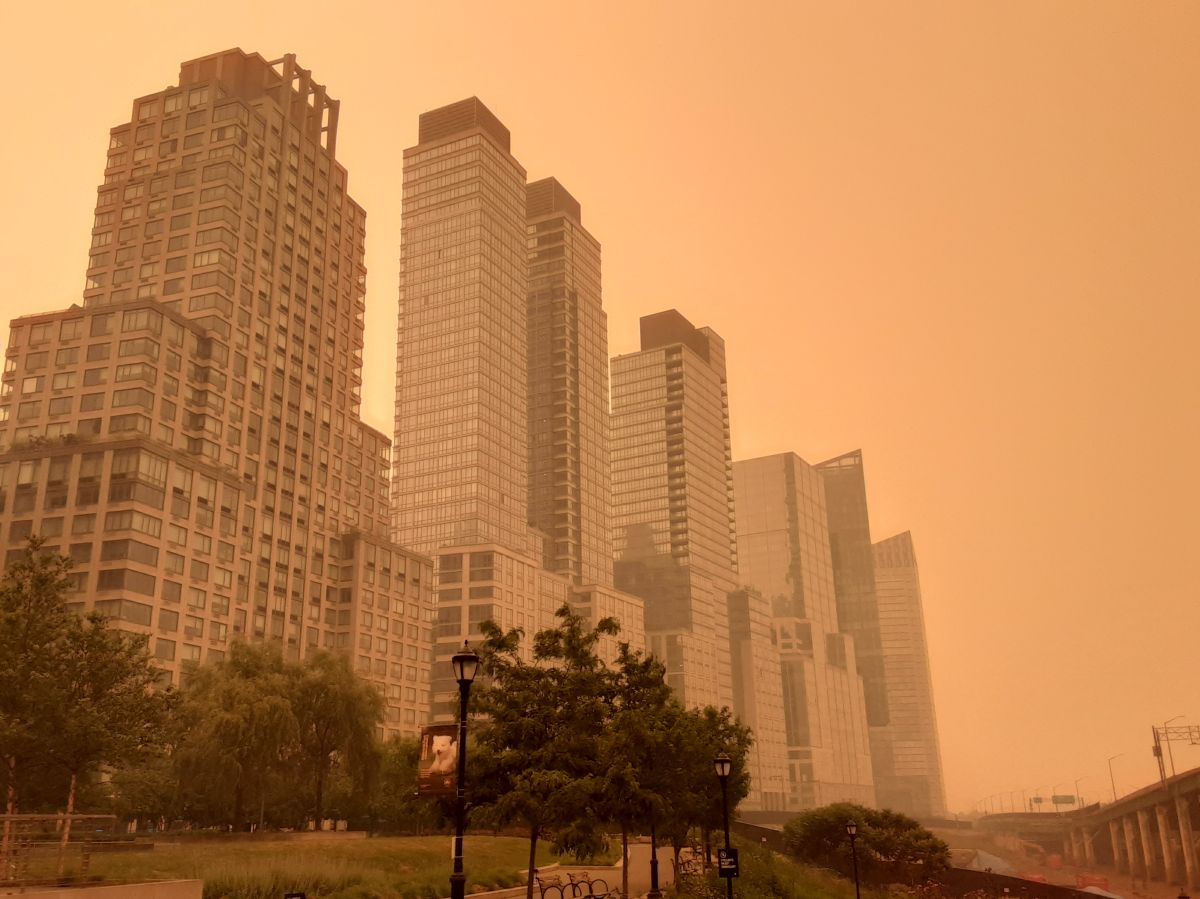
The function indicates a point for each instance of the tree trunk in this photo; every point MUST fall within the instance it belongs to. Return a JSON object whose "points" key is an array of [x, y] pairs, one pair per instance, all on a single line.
{"points": [[238, 801], [624, 861], [10, 809], [66, 832], [533, 838], [320, 803]]}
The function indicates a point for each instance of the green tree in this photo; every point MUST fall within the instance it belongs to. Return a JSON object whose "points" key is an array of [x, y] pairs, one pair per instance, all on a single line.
{"points": [[686, 779], [635, 745], [336, 714], [34, 624], [238, 727], [891, 847], [105, 710], [539, 761], [395, 806]]}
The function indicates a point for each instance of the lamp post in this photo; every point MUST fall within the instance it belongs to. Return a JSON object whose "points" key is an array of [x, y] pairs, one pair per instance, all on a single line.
{"points": [[852, 833], [724, 765], [1112, 779], [655, 892], [466, 665]]}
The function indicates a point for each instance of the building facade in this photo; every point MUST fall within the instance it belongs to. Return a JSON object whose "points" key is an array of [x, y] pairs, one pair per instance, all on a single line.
{"points": [[501, 462], [784, 552], [570, 487], [913, 783], [758, 699], [190, 435], [673, 500]]}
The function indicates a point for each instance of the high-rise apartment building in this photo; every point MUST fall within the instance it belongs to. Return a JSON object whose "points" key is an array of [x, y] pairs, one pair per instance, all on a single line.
{"points": [[569, 484], [461, 470], [913, 781], [190, 435], [501, 422], [784, 552], [673, 500]]}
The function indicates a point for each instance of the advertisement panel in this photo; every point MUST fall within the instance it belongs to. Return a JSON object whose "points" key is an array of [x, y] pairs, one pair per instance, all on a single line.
{"points": [[437, 768]]}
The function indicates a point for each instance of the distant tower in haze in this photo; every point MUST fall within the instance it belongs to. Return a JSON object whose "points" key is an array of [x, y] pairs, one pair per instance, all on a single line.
{"points": [[784, 552], [673, 500], [190, 435], [914, 782], [854, 574]]}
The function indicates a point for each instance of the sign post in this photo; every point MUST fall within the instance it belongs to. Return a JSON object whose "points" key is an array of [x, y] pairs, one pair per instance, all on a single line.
{"points": [[727, 863]]}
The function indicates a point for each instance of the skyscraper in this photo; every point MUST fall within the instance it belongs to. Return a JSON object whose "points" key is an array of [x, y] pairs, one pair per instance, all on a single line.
{"points": [[913, 782], [673, 500], [461, 470], [569, 484], [483, 258], [190, 436], [854, 574], [784, 551]]}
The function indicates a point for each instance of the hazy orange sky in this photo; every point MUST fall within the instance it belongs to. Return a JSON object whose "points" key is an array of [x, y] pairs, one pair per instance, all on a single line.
{"points": [[963, 236]]}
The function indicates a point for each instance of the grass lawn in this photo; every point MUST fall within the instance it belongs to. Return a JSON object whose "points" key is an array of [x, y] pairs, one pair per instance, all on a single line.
{"points": [[325, 868]]}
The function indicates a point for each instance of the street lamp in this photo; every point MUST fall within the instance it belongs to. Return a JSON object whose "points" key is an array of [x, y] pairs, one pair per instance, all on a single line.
{"points": [[724, 765], [466, 665], [1112, 779], [852, 833]]}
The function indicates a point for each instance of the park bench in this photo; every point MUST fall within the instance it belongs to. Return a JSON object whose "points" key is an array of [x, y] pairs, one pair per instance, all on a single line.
{"points": [[583, 884]]}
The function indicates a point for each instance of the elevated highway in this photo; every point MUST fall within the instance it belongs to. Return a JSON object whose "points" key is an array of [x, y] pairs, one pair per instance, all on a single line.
{"points": [[1151, 834]]}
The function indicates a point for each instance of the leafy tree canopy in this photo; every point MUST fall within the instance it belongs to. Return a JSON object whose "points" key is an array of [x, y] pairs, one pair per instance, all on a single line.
{"points": [[891, 847]]}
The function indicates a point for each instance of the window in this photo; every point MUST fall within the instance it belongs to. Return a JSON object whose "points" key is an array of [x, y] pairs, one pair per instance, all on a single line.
{"points": [[90, 402], [70, 329], [83, 524], [98, 352], [126, 579], [94, 376], [63, 380], [66, 356]]}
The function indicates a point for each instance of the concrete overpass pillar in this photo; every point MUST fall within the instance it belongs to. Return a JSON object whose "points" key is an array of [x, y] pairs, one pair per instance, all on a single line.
{"points": [[1089, 847], [1164, 838], [1078, 838], [1135, 862], [1188, 840], [1143, 819], [1120, 858]]}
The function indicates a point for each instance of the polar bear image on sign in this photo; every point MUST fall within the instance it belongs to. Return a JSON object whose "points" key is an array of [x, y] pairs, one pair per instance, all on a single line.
{"points": [[445, 754]]}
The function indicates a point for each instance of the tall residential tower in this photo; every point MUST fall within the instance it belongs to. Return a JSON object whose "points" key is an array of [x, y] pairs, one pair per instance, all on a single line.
{"points": [[190, 435], [500, 462], [673, 500]]}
